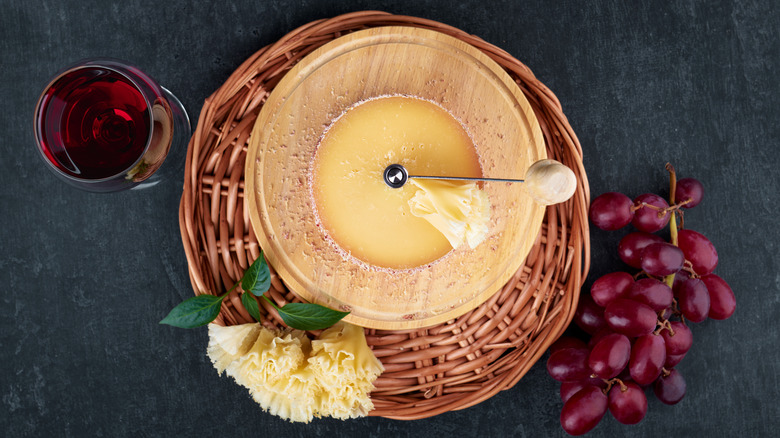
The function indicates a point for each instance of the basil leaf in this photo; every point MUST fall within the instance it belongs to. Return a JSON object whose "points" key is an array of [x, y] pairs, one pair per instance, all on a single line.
{"points": [[251, 306], [257, 279], [194, 312], [308, 316]]}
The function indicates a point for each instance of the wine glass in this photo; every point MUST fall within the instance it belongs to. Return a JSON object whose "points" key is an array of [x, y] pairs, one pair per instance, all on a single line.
{"points": [[103, 125]]}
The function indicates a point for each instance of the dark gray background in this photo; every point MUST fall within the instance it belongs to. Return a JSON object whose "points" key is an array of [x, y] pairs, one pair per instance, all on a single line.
{"points": [[85, 278]]}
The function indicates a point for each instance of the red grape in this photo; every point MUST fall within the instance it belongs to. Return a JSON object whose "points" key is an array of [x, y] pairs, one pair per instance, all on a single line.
{"points": [[595, 381], [679, 277], [698, 250], [589, 316], [662, 259], [672, 360], [596, 337], [631, 246], [627, 404], [568, 389], [569, 365], [689, 188], [680, 342], [630, 318], [648, 355], [652, 292], [647, 219], [722, 300], [611, 211], [666, 314], [610, 286], [610, 355], [693, 299], [567, 342], [620, 314], [624, 375], [583, 411], [670, 389]]}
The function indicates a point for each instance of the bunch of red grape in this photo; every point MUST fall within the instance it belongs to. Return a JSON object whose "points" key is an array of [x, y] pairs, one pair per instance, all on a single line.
{"points": [[638, 323]]}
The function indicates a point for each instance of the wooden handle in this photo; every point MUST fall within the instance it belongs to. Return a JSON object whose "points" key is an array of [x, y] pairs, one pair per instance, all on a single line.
{"points": [[550, 182]]}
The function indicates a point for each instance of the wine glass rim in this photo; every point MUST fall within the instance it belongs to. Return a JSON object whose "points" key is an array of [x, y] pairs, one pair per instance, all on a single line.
{"points": [[115, 65]]}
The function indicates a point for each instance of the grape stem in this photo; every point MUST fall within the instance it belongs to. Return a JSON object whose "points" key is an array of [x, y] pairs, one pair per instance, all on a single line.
{"points": [[680, 213], [662, 211], [664, 325], [676, 311], [611, 382], [688, 267], [673, 219]]}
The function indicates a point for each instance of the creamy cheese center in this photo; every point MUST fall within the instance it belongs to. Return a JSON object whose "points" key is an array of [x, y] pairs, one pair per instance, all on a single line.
{"points": [[363, 215]]}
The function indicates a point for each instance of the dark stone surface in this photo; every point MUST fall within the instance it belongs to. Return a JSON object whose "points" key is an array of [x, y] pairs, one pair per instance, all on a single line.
{"points": [[87, 277]]}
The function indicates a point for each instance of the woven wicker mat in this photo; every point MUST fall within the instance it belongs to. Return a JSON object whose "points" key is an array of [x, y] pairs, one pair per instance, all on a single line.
{"points": [[428, 371]]}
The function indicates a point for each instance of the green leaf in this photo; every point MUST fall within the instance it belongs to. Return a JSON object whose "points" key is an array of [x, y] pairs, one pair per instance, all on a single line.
{"points": [[194, 312], [308, 316], [251, 306], [257, 279]]}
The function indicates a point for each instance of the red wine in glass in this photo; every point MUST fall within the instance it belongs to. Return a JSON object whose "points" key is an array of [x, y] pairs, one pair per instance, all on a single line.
{"points": [[103, 125]]}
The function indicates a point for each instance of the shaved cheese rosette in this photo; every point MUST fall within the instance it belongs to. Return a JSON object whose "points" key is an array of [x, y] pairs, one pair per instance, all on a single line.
{"points": [[295, 378], [460, 211], [345, 368]]}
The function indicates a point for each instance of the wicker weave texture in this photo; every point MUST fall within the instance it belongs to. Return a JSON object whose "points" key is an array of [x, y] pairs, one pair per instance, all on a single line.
{"points": [[428, 371]]}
